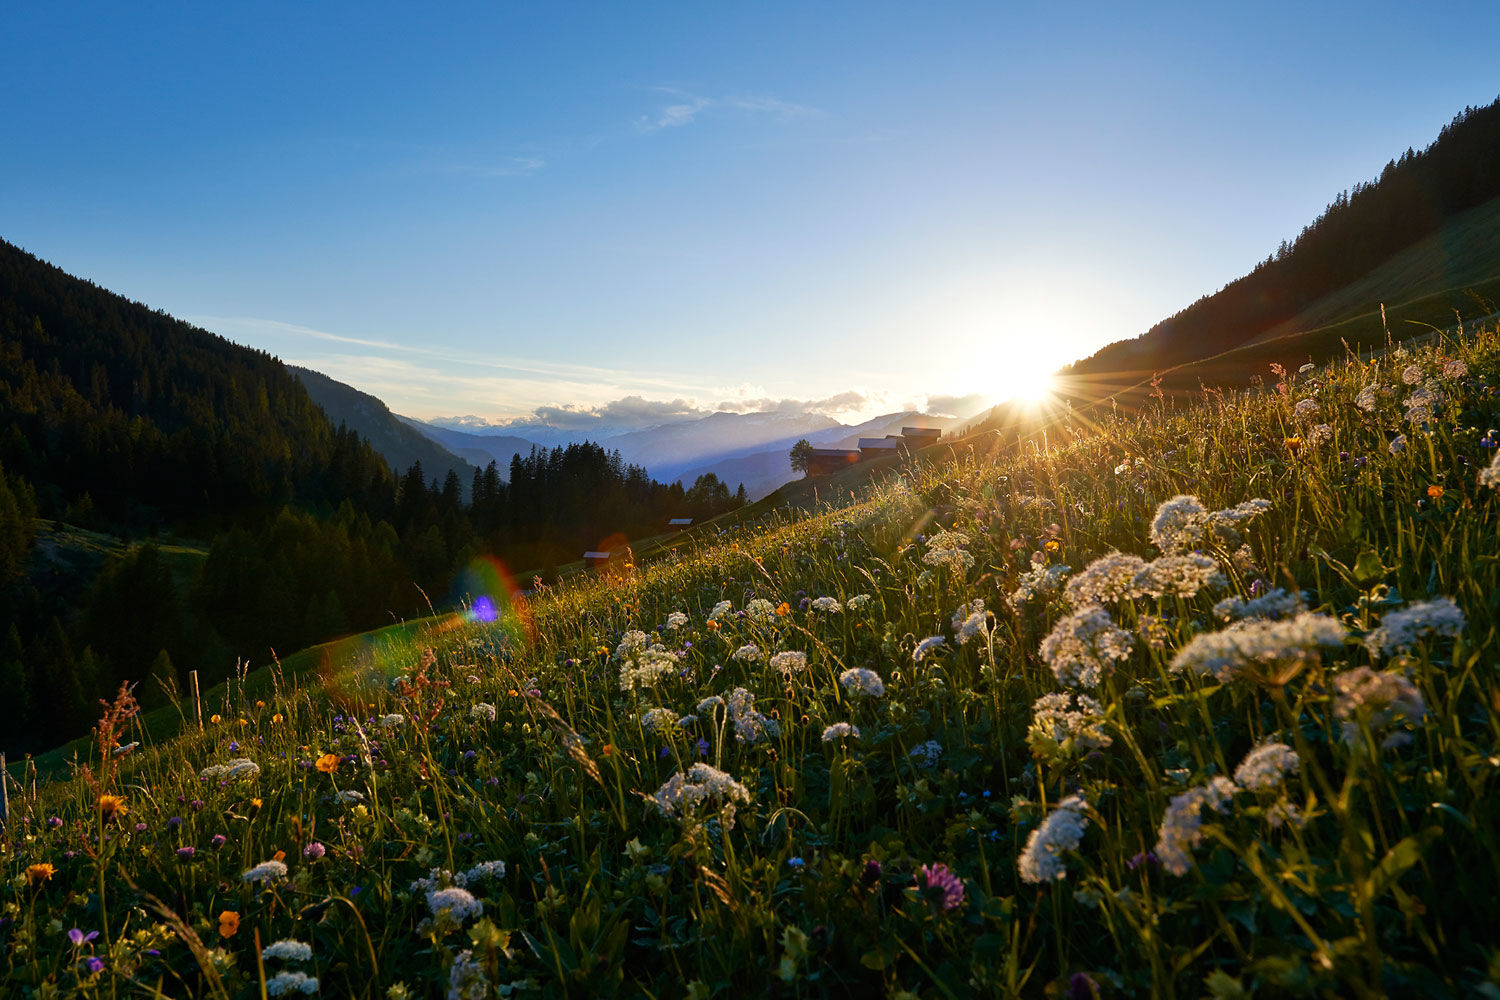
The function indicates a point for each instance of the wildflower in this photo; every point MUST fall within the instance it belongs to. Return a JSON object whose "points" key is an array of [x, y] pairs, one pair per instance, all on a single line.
{"points": [[266, 871], [1306, 368], [869, 876], [466, 979], [1062, 830], [926, 646], [1178, 576], [1490, 476], [1412, 375], [287, 950], [349, 795], [1435, 492], [1276, 603], [682, 794], [838, 731], [748, 653], [393, 721], [328, 763], [783, 609], [857, 601], [1059, 729], [112, 807], [1083, 648], [970, 620], [1455, 369], [480, 872], [1368, 398], [1178, 525], [1040, 581], [749, 725], [646, 668], [676, 620], [456, 902], [95, 964], [186, 853], [1305, 410], [1378, 700], [239, 767], [760, 610], [215, 719], [1319, 435], [124, 749], [79, 938], [1181, 826], [276, 718], [1400, 630], [790, 662], [658, 719], [1263, 768], [218, 840], [956, 559], [1398, 444], [229, 923], [827, 605], [859, 680], [927, 754], [941, 887], [720, 610], [285, 983], [482, 712], [1292, 444], [1255, 647], [38, 874], [314, 850]]}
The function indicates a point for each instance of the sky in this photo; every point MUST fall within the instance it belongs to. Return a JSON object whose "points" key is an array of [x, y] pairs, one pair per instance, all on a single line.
{"points": [[483, 210]]}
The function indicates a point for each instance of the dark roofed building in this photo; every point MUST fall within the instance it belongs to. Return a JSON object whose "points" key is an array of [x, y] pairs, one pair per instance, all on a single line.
{"points": [[826, 461], [879, 447]]}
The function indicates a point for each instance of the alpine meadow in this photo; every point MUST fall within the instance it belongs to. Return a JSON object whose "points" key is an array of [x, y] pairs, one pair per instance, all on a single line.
{"points": [[696, 502]]}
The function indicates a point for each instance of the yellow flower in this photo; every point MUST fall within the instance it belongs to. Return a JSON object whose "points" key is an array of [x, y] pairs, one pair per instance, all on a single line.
{"points": [[215, 719], [37, 874], [111, 806], [229, 922], [256, 804], [1052, 545], [260, 704], [244, 722], [1292, 444], [784, 608], [328, 763], [276, 718]]}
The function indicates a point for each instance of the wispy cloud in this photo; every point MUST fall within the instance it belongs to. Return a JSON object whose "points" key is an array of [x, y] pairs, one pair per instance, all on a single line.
{"points": [[685, 109]]}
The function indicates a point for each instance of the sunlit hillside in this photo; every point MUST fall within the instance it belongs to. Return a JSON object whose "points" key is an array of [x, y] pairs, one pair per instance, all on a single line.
{"points": [[1196, 702]]}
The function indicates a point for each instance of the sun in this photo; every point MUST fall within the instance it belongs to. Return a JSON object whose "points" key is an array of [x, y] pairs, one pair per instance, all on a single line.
{"points": [[1017, 369]]}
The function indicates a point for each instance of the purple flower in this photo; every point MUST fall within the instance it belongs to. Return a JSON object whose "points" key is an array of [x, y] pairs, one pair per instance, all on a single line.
{"points": [[53, 822], [197, 805], [940, 886], [1143, 858], [79, 938], [702, 747], [314, 850], [95, 963], [871, 875], [1082, 987], [186, 853], [234, 745], [174, 822], [470, 754], [140, 828], [218, 841]]}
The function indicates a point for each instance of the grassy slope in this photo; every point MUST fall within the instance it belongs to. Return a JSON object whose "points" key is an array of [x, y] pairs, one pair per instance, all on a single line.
{"points": [[1385, 885]]}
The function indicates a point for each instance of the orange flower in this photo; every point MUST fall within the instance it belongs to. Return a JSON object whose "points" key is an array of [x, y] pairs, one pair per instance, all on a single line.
{"points": [[244, 722], [609, 750], [713, 626], [784, 608], [256, 804], [1052, 545], [279, 856], [215, 719], [111, 806], [37, 874], [1435, 491], [276, 718], [1292, 444], [260, 704], [328, 763], [229, 922]]}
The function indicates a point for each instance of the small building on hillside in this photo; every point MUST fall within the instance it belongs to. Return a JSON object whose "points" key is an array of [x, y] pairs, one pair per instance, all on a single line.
{"points": [[600, 559], [826, 461], [879, 447], [920, 437], [678, 523]]}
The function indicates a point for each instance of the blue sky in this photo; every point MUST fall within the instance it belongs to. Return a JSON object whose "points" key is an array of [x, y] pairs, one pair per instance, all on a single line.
{"points": [[490, 208]]}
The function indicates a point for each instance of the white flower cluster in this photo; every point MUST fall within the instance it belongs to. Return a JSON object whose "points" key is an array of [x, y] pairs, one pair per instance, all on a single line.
{"points": [[971, 620], [1181, 523], [480, 872], [239, 767], [926, 646], [1455, 369], [1041, 581], [287, 950], [1318, 435], [1400, 630], [827, 605], [482, 711], [927, 754], [466, 979], [392, 721], [749, 725], [1412, 374], [631, 643], [1057, 727], [720, 610], [349, 795], [1397, 445], [1109, 578], [646, 667], [1178, 575], [859, 680], [456, 902], [1369, 397], [1182, 825], [1083, 648], [266, 871], [760, 610], [682, 794], [1061, 831], [286, 983], [1245, 644], [1378, 700], [748, 653], [956, 559], [857, 601], [1490, 476], [790, 662], [1275, 603], [1266, 766], [839, 730], [676, 620], [658, 720], [1305, 410]]}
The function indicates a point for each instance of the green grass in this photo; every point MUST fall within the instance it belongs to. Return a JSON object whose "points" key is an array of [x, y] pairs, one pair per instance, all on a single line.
{"points": [[821, 881]]}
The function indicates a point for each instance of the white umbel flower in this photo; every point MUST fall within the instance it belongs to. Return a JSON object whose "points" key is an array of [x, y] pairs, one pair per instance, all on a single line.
{"points": [[1401, 630], [1083, 648], [1061, 831]]}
